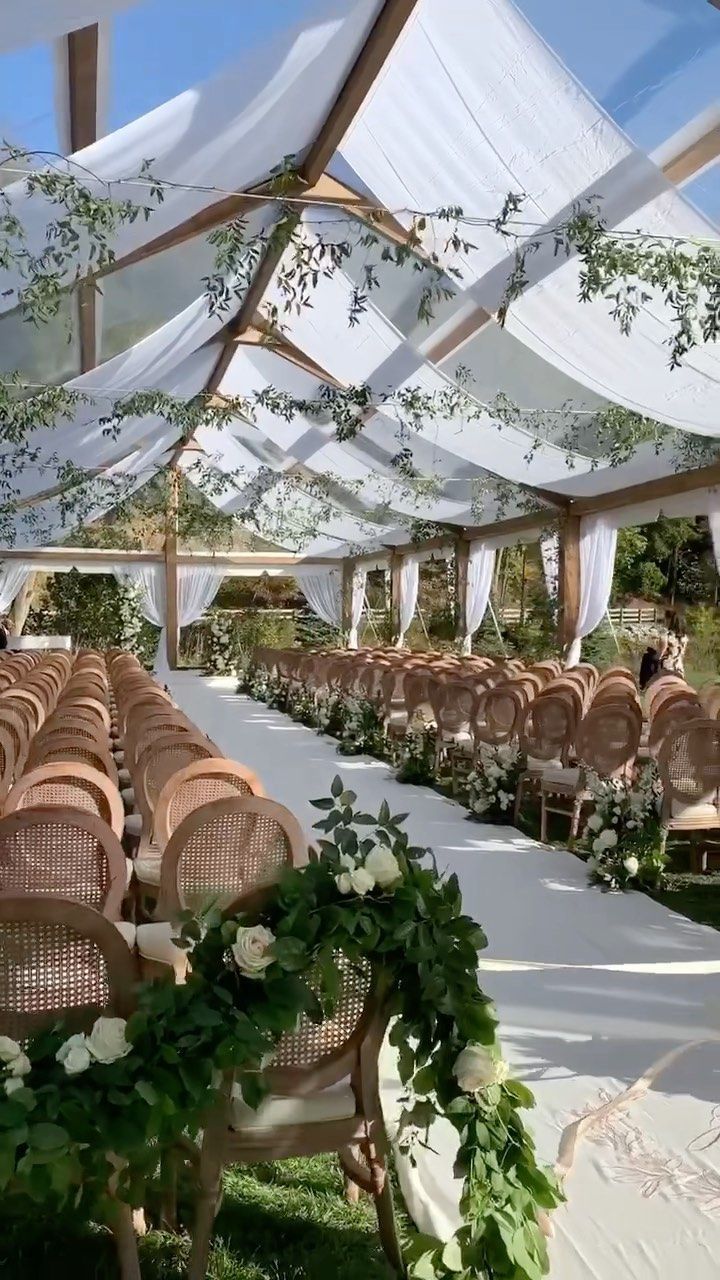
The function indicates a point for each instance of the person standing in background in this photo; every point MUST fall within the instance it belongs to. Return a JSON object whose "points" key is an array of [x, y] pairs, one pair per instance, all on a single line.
{"points": [[672, 657]]}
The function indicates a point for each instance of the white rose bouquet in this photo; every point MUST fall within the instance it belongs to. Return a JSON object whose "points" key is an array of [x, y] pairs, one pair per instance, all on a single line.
{"points": [[623, 836], [492, 787], [14, 1065], [362, 731], [328, 710], [415, 757], [106, 1043]]}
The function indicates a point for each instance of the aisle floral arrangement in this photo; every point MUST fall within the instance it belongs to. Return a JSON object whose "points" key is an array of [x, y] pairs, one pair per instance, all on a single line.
{"points": [[623, 836], [362, 731], [222, 647], [135, 1088], [493, 786], [415, 754]]}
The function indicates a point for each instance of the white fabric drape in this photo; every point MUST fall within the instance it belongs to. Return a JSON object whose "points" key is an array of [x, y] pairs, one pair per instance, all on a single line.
{"points": [[197, 586], [598, 541], [13, 577], [409, 582], [550, 556], [322, 589], [480, 566], [357, 600]]}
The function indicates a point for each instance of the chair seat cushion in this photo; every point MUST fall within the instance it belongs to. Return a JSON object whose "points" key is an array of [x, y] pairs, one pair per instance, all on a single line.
{"points": [[336, 1103], [128, 796], [536, 765], [129, 867], [118, 755], [147, 870], [126, 931], [133, 824], [462, 739], [124, 778], [155, 942], [702, 811], [563, 779]]}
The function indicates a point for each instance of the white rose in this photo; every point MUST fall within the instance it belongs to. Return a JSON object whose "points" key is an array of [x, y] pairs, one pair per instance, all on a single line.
{"points": [[74, 1055], [594, 822], [631, 865], [361, 881], [344, 883], [347, 862], [607, 840], [12, 1085], [475, 1068], [383, 866], [10, 1050], [20, 1066], [592, 863], [250, 950], [107, 1042]]}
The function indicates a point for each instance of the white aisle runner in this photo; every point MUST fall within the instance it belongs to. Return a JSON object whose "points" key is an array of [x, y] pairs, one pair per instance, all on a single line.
{"points": [[600, 987]]}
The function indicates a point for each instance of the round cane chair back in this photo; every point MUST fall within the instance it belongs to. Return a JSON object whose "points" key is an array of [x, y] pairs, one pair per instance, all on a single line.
{"points": [[68, 747], [161, 759], [608, 739], [59, 959], [227, 849], [66, 853], [549, 727], [198, 784], [689, 764], [70, 785]]}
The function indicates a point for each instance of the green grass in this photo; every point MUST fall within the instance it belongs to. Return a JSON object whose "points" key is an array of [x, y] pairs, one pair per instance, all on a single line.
{"points": [[695, 896], [283, 1221]]}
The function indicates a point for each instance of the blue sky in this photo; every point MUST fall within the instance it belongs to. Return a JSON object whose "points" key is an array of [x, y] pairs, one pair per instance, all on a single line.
{"points": [[653, 64]]}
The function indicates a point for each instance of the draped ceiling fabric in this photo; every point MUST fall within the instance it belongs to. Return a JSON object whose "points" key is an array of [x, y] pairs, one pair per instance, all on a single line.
{"points": [[448, 121]]}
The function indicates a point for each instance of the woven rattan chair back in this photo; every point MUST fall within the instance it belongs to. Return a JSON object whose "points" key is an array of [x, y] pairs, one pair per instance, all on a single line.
{"points": [[689, 763], [12, 722], [227, 849], [146, 731], [679, 712], [7, 762], [608, 739], [66, 853], [198, 784], [95, 705], [617, 689], [499, 715], [549, 727], [71, 785], [161, 759], [27, 706], [416, 689], [710, 698], [453, 704], [318, 1055], [64, 723], [69, 747], [59, 959], [660, 684]]}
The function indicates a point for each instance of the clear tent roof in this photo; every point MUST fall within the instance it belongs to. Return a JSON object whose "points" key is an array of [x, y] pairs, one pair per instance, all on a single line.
{"points": [[549, 102]]}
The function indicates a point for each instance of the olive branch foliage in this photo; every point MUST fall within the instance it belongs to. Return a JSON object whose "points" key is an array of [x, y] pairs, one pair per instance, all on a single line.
{"points": [[57, 1131], [85, 215]]}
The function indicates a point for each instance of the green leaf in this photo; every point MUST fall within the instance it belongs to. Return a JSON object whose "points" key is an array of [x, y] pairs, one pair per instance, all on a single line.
{"points": [[452, 1255], [147, 1092], [383, 814], [329, 803], [46, 1137], [337, 787]]}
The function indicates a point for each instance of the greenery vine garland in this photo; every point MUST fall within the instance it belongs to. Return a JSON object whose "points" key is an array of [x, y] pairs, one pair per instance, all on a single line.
{"points": [[135, 1089]]}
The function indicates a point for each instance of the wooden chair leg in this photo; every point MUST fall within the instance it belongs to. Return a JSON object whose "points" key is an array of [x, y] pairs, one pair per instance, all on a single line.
{"points": [[543, 818], [387, 1227], [125, 1241], [518, 801], [575, 821], [206, 1209], [352, 1190]]}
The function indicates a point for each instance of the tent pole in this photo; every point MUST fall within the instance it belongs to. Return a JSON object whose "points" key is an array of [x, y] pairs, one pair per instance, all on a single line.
{"points": [[171, 574]]}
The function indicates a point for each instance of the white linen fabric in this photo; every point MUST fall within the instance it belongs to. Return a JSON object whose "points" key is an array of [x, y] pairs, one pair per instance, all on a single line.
{"points": [[229, 132], [409, 583], [197, 586], [357, 600], [598, 541], [13, 576], [322, 589], [480, 566]]}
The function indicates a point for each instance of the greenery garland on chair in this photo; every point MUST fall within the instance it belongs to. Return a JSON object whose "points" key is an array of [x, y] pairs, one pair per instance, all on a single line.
{"points": [[136, 1088]]}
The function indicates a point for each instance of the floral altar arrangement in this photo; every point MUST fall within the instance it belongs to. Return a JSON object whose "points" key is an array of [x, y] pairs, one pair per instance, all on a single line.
{"points": [[415, 755], [136, 1088], [492, 788], [222, 651], [623, 837]]}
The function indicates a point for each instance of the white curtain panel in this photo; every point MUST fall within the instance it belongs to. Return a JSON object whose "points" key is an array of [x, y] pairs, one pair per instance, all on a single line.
{"points": [[598, 542], [228, 132], [550, 556], [409, 583], [197, 588], [13, 576], [357, 601], [481, 563], [322, 589]]}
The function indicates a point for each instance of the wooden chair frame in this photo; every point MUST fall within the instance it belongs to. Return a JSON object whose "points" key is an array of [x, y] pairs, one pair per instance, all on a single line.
{"points": [[79, 819], [75, 774]]}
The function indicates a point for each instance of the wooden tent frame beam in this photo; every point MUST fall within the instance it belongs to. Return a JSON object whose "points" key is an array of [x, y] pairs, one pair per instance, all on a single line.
{"points": [[81, 48]]}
